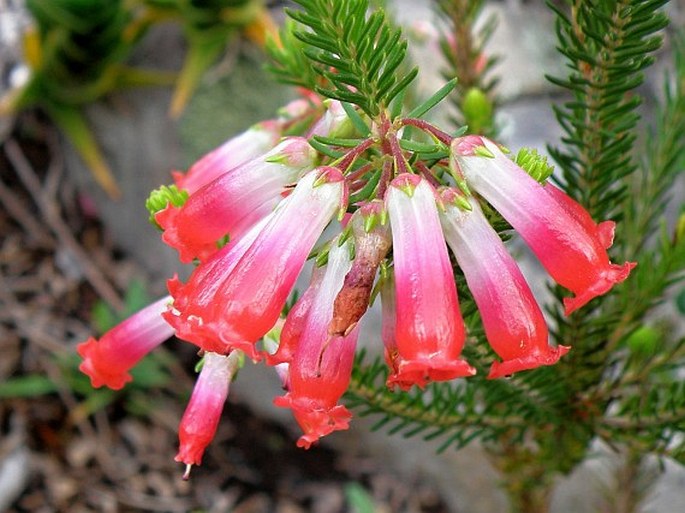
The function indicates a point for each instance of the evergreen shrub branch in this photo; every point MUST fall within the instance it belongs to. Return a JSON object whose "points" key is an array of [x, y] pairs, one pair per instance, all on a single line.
{"points": [[607, 45], [463, 48], [359, 61]]}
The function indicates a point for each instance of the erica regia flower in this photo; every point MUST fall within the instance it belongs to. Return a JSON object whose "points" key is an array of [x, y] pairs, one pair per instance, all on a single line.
{"points": [[322, 362], [570, 246], [107, 361], [245, 146], [513, 322], [201, 418], [233, 299], [235, 201], [429, 329]]}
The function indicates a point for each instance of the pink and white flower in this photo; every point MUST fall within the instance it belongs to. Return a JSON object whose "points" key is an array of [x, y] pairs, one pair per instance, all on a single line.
{"points": [[201, 417], [245, 146], [429, 329], [513, 322], [224, 307], [570, 246], [321, 366], [235, 201], [107, 361]]}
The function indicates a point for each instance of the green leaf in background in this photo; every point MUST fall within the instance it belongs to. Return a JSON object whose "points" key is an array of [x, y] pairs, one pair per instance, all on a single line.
{"points": [[105, 318], [359, 499], [31, 385], [680, 301]]}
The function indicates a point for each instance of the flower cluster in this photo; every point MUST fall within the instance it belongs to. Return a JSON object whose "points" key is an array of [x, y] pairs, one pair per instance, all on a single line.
{"points": [[257, 208]]}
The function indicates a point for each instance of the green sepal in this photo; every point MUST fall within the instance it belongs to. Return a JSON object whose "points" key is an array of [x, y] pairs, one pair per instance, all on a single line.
{"points": [[461, 202], [534, 164], [482, 151], [408, 189], [160, 198]]}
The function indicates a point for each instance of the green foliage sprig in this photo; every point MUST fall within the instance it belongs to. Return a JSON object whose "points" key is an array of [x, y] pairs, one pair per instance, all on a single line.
{"points": [[358, 60], [463, 47], [607, 44]]}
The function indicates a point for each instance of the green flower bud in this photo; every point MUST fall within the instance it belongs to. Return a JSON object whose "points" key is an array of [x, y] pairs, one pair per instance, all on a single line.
{"points": [[477, 109], [643, 341]]}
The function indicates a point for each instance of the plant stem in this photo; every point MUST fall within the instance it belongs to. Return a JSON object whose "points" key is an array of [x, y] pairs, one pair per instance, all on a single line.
{"points": [[527, 480]]}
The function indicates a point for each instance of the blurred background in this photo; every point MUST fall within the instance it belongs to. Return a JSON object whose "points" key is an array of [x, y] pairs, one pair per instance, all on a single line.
{"points": [[78, 158]]}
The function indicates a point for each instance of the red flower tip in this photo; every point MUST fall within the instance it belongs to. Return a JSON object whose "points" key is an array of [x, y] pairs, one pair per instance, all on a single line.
{"points": [[422, 370], [606, 279], [201, 417], [315, 421], [192, 447], [188, 249], [96, 366], [546, 356], [107, 360]]}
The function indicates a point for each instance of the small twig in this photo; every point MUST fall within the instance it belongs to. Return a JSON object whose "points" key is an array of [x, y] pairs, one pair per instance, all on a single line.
{"points": [[440, 135], [33, 228], [55, 168], [348, 159], [54, 220], [400, 162], [44, 339]]}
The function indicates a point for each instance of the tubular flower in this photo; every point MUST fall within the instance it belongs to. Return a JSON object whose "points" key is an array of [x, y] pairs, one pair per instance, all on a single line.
{"points": [[513, 322], [245, 146], [195, 298], [224, 307], [570, 246], [202, 415], [232, 203], [429, 330], [108, 361], [322, 364], [333, 123], [296, 320]]}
